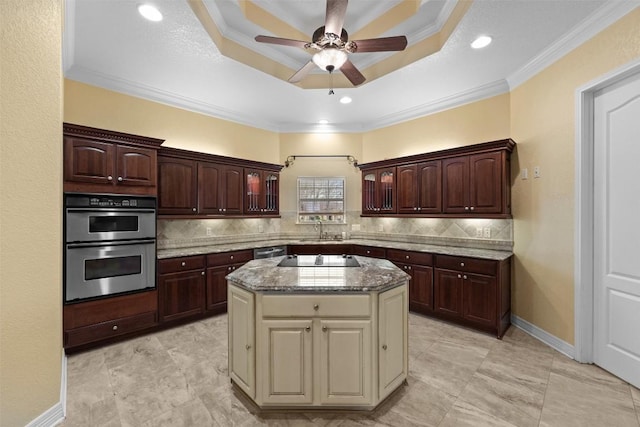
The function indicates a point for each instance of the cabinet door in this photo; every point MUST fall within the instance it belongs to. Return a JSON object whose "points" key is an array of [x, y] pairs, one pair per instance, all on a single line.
{"points": [[210, 176], [286, 358], [369, 189], [253, 191], [345, 362], [216, 293], [455, 185], [181, 294], [393, 335], [421, 289], [485, 177], [232, 190], [136, 166], [479, 293], [177, 186], [408, 189], [271, 193], [88, 161], [241, 319], [387, 190], [429, 187], [447, 292]]}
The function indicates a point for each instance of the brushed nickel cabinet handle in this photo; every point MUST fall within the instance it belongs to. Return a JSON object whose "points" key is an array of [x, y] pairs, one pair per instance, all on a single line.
{"points": [[316, 307], [183, 263], [384, 346], [109, 178], [308, 328], [202, 274], [459, 276], [247, 346], [324, 329], [115, 327], [119, 179]]}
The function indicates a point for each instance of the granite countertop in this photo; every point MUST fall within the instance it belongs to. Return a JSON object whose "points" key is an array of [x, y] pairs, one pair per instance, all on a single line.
{"points": [[373, 275], [490, 254]]}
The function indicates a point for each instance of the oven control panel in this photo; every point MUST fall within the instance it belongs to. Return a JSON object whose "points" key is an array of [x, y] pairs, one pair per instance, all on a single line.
{"points": [[108, 201]]}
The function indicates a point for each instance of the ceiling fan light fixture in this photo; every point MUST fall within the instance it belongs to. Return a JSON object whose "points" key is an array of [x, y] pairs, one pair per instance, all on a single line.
{"points": [[330, 59], [150, 12], [480, 42]]}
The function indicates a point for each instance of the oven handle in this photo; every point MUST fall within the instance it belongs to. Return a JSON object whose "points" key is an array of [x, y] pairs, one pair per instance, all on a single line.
{"points": [[117, 210], [111, 243]]}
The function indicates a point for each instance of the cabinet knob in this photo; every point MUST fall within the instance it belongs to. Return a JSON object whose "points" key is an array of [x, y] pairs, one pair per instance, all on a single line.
{"points": [[308, 328], [405, 267], [119, 179], [109, 178], [324, 329], [415, 209], [368, 252], [464, 276], [247, 346], [462, 264], [183, 263], [202, 273], [194, 209], [472, 207], [406, 256], [316, 307], [228, 268], [419, 209], [409, 267], [115, 327], [459, 276], [466, 208], [384, 346], [231, 257], [219, 209], [224, 209]]}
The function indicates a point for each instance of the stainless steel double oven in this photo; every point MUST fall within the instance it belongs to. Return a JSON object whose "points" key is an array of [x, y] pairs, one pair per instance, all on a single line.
{"points": [[110, 245]]}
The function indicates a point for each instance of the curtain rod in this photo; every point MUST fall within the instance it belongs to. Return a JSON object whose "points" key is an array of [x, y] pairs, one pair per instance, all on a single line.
{"points": [[349, 158]]}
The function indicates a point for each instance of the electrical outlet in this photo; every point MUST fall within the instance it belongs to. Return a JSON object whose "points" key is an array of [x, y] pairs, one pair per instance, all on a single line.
{"points": [[536, 172], [260, 228], [487, 233], [209, 232], [355, 227], [479, 232], [380, 228]]}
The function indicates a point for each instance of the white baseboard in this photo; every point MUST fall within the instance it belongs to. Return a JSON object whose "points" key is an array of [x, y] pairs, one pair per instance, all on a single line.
{"points": [[55, 415], [544, 336]]}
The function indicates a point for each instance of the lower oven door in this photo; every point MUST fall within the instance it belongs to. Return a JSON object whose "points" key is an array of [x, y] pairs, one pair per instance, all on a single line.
{"points": [[95, 270]]}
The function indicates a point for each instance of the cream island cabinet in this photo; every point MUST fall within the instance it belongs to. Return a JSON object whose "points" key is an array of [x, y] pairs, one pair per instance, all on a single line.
{"points": [[318, 334]]}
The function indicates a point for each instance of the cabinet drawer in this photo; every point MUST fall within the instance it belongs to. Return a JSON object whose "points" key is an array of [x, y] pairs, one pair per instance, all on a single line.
{"points": [[107, 309], [176, 265], [409, 257], [316, 305], [370, 251], [109, 329], [229, 258], [472, 265]]}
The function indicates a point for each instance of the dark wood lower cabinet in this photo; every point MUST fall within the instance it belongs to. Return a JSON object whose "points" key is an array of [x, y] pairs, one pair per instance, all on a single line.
{"points": [[181, 294], [421, 289], [217, 289], [448, 293]]}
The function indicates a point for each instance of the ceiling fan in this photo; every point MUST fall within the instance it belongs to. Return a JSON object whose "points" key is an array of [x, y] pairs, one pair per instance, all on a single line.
{"points": [[332, 44]]}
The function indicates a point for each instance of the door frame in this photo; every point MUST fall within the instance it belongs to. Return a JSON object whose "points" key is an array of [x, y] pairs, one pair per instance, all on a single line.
{"points": [[584, 217]]}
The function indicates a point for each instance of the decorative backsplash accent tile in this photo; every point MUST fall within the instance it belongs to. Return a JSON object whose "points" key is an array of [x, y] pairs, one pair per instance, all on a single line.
{"points": [[466, 232]]}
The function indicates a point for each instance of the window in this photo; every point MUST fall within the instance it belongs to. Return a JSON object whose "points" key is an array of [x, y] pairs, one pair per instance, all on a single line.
{"points": [[321, 199]]}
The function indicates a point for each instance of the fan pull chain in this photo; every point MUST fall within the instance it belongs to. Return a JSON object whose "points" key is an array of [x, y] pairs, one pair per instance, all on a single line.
{"points": [[331, 83]]}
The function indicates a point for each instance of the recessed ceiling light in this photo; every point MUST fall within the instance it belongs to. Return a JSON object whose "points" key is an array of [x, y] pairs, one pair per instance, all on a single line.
{"points": [[480, 42], [150, 12], [345, 100], [323, 121]]}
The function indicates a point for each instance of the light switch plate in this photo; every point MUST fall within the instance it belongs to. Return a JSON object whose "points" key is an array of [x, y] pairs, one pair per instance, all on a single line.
{"points": [[524, 174]]}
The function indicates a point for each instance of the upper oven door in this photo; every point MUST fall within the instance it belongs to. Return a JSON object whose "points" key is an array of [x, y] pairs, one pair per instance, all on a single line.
{"points": [[91, 225]]}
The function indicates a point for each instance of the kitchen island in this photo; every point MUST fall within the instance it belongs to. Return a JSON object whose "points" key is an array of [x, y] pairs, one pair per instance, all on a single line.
{"points": [[318, 331]]}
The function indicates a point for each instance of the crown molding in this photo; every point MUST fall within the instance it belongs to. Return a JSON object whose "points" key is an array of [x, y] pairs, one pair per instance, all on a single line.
{"points": [[602, 18], [150, 93]]}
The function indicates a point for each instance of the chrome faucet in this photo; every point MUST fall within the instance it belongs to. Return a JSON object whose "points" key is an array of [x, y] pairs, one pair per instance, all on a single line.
{"points": [[319, 223]]}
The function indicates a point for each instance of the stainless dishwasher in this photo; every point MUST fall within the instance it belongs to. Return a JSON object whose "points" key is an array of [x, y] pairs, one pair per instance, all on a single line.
{"points": [[270, 252]]}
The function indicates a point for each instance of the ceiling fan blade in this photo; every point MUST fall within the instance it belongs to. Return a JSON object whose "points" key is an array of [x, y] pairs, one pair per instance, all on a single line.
{"points": [[281, 41], [381, 44], [352, 73], [336, 9], [302, 72]]}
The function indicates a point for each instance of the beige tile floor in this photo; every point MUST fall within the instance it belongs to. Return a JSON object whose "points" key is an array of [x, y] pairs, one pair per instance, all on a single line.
{"points": [[458, 377]]}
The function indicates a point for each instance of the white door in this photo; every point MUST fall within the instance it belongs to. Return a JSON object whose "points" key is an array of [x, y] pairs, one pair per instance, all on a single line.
{"points": [[617, 229]]}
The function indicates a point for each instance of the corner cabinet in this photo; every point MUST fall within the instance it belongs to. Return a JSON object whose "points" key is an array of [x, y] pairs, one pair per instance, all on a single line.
{"points": [[101, 161], [318, 350], [197, 185], [471, 181]]}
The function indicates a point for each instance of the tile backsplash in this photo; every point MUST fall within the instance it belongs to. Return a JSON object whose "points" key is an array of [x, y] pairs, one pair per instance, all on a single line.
{"points": [[468, 232]]}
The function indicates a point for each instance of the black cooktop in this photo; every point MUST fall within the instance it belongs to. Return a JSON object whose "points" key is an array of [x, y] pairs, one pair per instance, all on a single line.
{"points": [[319, 261]]}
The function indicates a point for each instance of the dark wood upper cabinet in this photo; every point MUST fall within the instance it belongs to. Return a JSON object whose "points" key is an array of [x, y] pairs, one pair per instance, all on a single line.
{"points": [[262, 192], [100, 161], [379, 191], [420, 188], [461, 182], [177, 186], [204, 185]]}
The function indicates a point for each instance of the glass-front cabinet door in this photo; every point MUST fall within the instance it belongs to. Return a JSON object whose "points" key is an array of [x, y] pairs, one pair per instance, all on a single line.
{"points": [[379, 191], [261, 192]]}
